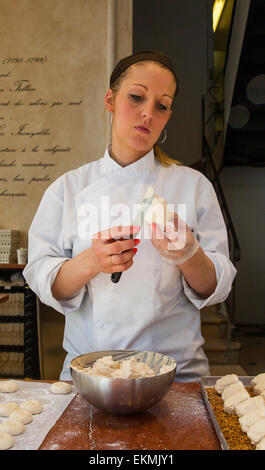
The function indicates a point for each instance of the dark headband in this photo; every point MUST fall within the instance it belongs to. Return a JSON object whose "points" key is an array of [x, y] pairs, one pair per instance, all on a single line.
{"points": [[125, 63]]}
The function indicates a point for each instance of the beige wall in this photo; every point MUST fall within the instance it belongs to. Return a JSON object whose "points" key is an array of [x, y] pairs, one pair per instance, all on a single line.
{"points": [[53, 54], [77, 43]]}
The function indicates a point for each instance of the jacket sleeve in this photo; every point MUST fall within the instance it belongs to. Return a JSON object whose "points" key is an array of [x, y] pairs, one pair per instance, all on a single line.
{"points": [[47, 252], [212, 236]]}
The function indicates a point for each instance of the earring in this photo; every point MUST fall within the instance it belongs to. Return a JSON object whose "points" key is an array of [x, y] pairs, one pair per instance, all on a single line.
{"points": [[111, 118], [164, 138]]}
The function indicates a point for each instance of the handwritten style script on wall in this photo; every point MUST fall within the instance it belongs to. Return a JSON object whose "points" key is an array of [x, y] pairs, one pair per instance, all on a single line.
{"points": [[31, 116]]}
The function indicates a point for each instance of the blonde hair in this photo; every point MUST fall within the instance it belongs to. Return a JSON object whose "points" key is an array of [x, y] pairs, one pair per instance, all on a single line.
{"points": [[163, 158], [160, 155]]}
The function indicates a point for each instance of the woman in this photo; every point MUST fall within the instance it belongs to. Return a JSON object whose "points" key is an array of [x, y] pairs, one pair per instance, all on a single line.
{"points": [[156, 304]]}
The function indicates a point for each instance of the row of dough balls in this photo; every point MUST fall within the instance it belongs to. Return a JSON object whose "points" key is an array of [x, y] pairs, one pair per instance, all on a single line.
{"points": [[11, 386], [19, 416], [250, 410]]}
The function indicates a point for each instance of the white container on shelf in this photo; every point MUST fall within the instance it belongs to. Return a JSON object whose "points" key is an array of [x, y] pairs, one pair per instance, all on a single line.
{"points": [[22, 255]]}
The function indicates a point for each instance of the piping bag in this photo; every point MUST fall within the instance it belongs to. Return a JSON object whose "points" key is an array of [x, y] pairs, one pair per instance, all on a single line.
{"points": [[138, 221]]}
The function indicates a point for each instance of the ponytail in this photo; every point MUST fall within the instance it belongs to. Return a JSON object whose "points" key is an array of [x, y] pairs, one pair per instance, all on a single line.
{"points": [[163, 158]]}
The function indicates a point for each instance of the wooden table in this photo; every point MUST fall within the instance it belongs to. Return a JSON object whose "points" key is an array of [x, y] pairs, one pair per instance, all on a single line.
{"points": [[180, 421]]}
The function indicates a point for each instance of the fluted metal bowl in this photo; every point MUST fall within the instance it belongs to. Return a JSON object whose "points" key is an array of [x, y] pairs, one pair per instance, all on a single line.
{"points": [[121, 396]]}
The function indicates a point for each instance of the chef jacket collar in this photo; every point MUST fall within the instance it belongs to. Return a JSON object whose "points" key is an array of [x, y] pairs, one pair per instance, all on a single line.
{"points": [[146, 163]]}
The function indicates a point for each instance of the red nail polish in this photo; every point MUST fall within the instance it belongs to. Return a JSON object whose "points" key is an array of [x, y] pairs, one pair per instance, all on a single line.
{"points": [[136, 241], [135, 250]]}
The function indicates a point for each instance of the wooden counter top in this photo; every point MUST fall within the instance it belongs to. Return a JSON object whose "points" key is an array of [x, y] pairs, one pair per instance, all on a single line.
{"points": [[180, 421], [12, 266]]}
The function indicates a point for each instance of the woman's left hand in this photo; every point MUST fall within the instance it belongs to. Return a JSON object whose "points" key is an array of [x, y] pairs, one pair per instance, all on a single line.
{"points": [[175, 243]]}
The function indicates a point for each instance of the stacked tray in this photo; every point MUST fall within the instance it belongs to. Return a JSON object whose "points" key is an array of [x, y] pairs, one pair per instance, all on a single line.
{"points": [[8, 246], [227, 425]]}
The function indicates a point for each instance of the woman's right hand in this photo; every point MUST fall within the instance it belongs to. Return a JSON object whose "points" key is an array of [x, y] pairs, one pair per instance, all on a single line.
{"points": [[113, 249]]}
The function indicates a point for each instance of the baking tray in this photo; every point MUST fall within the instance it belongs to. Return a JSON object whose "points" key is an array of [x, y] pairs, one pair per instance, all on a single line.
{"points": [[210, 382]]}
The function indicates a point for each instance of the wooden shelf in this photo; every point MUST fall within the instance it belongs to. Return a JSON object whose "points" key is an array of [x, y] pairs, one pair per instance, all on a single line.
{"points": [[3, 298], [30, 348], [12, 266]]}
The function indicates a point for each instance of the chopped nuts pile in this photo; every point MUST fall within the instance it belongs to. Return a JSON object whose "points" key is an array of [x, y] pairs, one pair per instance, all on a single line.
{"points": [[229, 423]]}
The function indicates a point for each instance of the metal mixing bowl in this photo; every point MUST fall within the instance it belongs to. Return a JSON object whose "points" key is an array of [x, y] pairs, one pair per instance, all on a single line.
{"points": [[123, 396]]}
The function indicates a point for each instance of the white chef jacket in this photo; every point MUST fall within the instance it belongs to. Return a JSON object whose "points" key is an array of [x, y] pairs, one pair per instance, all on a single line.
{"points": [[152, 307]]}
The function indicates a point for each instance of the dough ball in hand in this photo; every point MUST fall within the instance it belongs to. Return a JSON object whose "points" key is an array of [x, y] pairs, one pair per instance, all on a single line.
{"points": [[157, 212]]}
